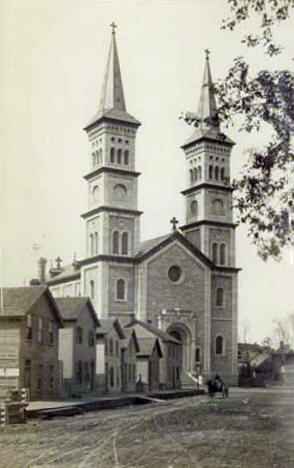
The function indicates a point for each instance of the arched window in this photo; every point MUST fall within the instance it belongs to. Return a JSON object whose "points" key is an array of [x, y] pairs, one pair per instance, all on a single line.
{"points": [[219, 345], [210, 169], [115, 242], [217, 207], [96, 240], [95, 193], [92, 289], [215, 252], [199, 172], [216, 173], [194, 208], [222, 260], [91, 244], [118, 156], [120, 191], [191, 176], [222, 173], [112, 156], [126, 161], [219, 299], [94, 159], [125, 243], [195, 174], [120, 290]]}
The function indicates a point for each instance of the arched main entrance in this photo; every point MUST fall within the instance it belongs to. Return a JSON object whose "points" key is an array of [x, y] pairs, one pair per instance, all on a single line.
{"points": [[182, 334]]}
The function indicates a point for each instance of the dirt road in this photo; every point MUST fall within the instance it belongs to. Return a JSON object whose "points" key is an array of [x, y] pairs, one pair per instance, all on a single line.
{"points": [[250, 429]]}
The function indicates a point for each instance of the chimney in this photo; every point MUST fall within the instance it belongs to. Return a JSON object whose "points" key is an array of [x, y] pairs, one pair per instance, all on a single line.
{"points": [[42, 269]]}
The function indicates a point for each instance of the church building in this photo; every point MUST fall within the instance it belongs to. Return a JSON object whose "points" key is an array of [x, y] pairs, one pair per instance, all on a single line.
{"points": [[184, 282]]}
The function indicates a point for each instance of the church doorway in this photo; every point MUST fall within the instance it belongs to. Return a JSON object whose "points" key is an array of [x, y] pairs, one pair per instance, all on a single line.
{"points": [[182, 334]]}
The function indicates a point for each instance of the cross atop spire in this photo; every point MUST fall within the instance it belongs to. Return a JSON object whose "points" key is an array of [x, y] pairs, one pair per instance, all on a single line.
{"points": [[207, 103], [174, 223], [113, 26]]}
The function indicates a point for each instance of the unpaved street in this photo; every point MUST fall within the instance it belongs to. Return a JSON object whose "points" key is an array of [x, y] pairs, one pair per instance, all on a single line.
{"points": [[253, 428]]}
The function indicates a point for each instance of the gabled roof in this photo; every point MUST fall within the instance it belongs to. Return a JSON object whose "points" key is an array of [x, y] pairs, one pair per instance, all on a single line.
{"points": [[69, 272], [107, 324], [147, 346], [130, 334], [71, 307], [17, 302], [152, 246], [164, 336]]}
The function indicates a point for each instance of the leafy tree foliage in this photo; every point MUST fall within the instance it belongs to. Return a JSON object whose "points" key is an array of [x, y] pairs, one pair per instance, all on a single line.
{"points": [[264, 195]]}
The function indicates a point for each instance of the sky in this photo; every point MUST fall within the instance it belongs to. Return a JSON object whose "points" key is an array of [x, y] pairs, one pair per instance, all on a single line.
{"points": [[53, 56]]}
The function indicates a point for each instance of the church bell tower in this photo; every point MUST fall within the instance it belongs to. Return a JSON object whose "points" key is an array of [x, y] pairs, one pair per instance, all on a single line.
{"points": [[208, 197], [112, 218]]}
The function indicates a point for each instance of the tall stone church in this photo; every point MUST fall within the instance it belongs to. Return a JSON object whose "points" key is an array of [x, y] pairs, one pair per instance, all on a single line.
{"points": [[184, 282]]}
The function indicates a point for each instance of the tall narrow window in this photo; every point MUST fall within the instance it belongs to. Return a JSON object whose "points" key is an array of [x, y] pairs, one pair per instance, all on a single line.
{"points": [[195, 174], [118, 156], [111, 372], [100, 155], [95, 193], [222, 173], [216, 173], [96, 245], [29, 332], [111, 347], [125, 243], [92, 290], [194, 208], [197, 354], [115, 242], [191, 176], [126, 157], [220, 297], [94, 159], [199, 172], [219, 345], [215, 252], [79, 335], [112, 155], [210, 169], [51, 333], [91, 244], [120, 290], [222, 254], [40, 330]]}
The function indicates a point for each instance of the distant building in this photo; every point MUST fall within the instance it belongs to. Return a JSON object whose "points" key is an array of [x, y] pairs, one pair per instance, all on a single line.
{"points": [[77, 344], [29, 325], [148, 359], [129, 350], [110, 338]]}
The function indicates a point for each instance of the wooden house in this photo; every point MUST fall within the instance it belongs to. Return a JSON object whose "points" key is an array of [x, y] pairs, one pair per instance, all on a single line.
{"points": [[29, 325]]}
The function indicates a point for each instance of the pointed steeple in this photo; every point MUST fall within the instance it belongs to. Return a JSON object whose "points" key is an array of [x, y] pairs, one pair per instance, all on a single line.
{"points": [[112, 96], [112, 102], [207, 104]]}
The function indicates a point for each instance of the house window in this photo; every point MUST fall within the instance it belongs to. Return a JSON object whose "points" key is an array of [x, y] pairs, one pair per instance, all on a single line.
{"points": [[125, 243], [120, 290], [111, 347], [117, 348], [79, 372], [91, 338], [222, 254], [219, 297], [92, 290], [40, 330], [117, 376], [40, 377], [112, 155], [111, 372], [215, 252], [219, 345], [51, 377], [106, 347], [86, 373], [115, 242], [29, 332], [50, 333], [79, 335], [126, 157]]}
